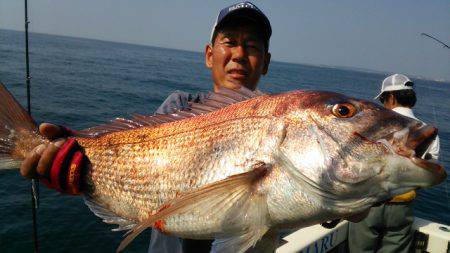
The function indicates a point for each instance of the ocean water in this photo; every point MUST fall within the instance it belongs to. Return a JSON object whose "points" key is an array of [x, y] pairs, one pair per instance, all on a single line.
{"points": [[80, 83]]}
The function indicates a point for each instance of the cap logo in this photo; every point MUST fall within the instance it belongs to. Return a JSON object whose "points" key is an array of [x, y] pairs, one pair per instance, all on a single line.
{"points": [[241, 5], [253, 13]]}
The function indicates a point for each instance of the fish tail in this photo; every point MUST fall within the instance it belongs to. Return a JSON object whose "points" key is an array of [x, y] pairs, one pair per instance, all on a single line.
{"points": [[18, 131]]}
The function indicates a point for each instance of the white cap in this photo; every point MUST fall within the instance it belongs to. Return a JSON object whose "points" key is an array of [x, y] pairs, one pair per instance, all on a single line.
{"points": [[395, 82]]}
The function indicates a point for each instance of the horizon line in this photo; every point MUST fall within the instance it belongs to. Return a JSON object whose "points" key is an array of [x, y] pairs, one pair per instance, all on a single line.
{"points": [[319, 65]]}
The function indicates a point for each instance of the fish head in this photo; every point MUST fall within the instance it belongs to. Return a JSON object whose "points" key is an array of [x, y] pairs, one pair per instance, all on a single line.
{"points": [[356, 152]]}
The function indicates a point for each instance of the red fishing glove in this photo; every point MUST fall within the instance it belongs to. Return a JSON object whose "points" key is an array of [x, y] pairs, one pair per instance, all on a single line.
{"points": [[65, 173]]}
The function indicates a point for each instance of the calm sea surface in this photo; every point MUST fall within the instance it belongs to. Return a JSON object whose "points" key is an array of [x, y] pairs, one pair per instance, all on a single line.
{"points": [[80, 83]]}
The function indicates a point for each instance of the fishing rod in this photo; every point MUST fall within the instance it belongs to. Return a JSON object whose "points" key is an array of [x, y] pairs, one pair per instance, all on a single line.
{"points": [[440, 42], [34, 183]]}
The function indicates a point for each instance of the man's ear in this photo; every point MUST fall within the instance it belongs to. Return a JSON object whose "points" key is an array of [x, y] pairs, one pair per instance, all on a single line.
{"points": [[390, 101], [266, 63], [208, 56], [394, 101]]}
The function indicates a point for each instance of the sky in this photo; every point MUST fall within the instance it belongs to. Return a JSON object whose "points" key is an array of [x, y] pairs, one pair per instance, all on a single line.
{"points": [[376, 35]]}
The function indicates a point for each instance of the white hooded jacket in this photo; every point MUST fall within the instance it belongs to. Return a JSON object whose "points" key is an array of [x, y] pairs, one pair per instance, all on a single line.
{"points": [[433, 149]]}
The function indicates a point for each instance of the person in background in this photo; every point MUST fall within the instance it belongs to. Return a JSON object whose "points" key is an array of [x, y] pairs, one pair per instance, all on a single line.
{"points": [[237, 55], [387, 228]]}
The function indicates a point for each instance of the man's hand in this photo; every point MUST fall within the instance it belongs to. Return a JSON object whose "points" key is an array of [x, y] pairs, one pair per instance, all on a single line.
{"points": [[39, 161]]}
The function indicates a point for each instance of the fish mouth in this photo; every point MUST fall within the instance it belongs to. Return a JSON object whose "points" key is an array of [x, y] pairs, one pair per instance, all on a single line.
{"points": [[412, 143]]}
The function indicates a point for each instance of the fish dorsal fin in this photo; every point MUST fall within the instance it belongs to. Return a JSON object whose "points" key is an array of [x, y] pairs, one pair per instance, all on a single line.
{"points": [[234, 199], [107, 216], [214, 101]]}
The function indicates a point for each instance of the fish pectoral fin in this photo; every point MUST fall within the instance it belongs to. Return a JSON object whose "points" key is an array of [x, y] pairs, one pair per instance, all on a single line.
{"points": [[239, 243], [267, 244], [107, 216], [257, 241], [233, 199]]}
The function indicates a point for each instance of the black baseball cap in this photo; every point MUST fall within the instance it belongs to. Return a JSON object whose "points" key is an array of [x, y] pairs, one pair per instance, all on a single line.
{"points": [[245, 10]]}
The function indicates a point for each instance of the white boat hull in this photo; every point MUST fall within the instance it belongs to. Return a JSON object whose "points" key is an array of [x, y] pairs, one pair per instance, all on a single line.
{"points": [[434, 238]]}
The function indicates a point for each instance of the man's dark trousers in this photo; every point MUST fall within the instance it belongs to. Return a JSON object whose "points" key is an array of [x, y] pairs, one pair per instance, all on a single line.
{"points": [[387, 228]]}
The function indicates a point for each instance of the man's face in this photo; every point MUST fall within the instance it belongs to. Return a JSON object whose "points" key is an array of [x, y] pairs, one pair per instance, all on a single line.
{"points": [[237, 58]]}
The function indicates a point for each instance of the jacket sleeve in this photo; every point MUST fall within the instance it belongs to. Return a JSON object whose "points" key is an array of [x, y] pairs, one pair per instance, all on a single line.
{"points": [[434, 149], [179, 100], [176, 100]]}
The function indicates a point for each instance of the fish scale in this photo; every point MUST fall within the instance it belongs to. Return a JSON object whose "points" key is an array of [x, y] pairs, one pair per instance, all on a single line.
{"points": [[162, 167]]}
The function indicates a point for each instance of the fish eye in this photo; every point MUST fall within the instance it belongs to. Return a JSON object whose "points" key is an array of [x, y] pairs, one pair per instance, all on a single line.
{"points": [[343, 110]]}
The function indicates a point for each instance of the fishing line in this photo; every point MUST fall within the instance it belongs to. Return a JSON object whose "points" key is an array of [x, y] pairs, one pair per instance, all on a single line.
{"points": [[442, 155], [435, 39], [444, 45], [34, 183]]}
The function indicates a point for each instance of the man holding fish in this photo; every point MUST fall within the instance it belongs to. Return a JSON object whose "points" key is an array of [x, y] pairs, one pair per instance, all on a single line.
{"points": [[237, 55]]}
